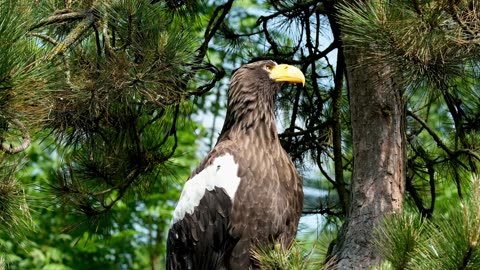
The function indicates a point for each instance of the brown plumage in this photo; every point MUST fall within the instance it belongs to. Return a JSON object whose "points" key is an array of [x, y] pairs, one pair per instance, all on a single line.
{"points": [[246, 192]]}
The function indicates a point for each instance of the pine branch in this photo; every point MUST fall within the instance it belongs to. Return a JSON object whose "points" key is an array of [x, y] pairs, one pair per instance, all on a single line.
{"points": [[19, 148], [73, 36], [213, 25], [60, 18], [44, 37], [431, 181], [439, 141], [15, 215], [288, 133], [219, 73], [323, 211], [289, 12], [337, 111]]}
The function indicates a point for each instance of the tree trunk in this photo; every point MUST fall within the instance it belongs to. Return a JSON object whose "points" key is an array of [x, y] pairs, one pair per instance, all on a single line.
{"points": [[377, 117]]}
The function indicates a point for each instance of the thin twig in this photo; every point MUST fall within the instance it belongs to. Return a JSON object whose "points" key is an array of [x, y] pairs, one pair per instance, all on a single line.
{"points": [[73, 36], [302, 132], [10, 149], [58, 18], [44, 37], [213, 27], [439, 141]]}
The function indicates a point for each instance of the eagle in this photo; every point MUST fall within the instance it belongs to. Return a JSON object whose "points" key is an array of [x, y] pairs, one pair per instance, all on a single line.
{"points": [[246, 192]]}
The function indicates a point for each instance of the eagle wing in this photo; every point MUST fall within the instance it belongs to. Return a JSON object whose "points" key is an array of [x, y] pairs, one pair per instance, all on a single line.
{"points": [[199, 237]]}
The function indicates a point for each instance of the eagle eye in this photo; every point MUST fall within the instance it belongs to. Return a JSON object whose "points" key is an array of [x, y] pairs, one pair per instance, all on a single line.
{"points": [[268, 67]]}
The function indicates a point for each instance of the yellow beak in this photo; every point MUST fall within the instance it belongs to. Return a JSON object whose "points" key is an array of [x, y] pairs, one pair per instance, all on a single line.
{"points": [[287, 73]]}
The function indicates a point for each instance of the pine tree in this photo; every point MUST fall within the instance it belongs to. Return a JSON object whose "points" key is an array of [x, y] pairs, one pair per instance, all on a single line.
{"points": [[22, 95], [123, 71]]}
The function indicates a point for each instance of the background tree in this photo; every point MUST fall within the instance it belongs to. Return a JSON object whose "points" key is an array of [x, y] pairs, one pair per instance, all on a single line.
{"points": [[378, 179], [425, 46]]}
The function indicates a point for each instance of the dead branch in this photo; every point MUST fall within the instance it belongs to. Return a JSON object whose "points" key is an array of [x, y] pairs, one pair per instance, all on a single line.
{"points": [[44, 37], [9, 148], [59, 18], [73, 36]]}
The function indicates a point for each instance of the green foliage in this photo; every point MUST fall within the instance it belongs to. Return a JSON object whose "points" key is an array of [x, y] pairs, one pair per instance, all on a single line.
{"points": [[425, 40], [116, 78], [14, 211], [448, 241], [397, 238], [22, 79], [19, 92], [296, 257], [12, 51], [384, 266], [123, 72], [136, 231], [111, 81]]}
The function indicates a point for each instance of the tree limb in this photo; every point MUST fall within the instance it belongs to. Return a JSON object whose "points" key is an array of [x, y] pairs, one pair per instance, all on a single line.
{"points": [[44, 37], [73, 36], [213, 26], [219, 74], [58, 18], [439, 141], [10, 149]]}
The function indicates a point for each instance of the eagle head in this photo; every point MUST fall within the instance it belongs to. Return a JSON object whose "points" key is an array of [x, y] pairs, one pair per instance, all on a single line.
{"points": [[252, 92], [266, 75]]}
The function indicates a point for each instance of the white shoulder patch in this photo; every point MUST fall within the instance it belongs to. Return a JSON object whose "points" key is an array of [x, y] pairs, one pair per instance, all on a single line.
{"points": [[221, 173]]}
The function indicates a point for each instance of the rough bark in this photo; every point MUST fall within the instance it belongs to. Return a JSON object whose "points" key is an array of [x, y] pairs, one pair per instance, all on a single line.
{"points": [[377, 117]]}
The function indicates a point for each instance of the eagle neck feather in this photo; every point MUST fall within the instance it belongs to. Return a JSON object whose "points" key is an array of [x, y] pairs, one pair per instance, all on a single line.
{"points": [[250, 111]]}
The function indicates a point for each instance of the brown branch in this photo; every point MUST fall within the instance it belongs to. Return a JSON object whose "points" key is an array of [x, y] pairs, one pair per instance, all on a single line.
{"points": [[73, 36], [58, 18], [288, 133], [10, 149], [317, 55], [219, 74], [324, 211], [439, 141], [417, 7], [159, 114], [173, 131], [293, 117], [128, 39], [431, 181], [212, 27], [44, 37], [410, 188], [324, 173], [106, 39], [65, 59], [337, 131], [122, 189], [286, 11], [97, 45], [273, 44]]}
